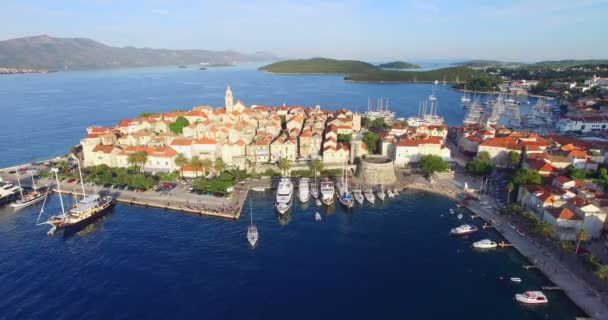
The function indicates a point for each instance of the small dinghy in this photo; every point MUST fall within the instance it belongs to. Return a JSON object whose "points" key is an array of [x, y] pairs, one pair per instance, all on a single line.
{"points": [[319, 203], [317, 216], [516, 279], [460, 216], [451, 211]]}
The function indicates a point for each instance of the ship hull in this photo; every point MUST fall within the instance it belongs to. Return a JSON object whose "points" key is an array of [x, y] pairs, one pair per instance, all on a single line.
{"points": [[70, 228]]}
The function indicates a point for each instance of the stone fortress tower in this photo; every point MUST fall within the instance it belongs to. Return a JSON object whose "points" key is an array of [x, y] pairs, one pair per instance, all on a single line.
{"points": [[356, 122]]}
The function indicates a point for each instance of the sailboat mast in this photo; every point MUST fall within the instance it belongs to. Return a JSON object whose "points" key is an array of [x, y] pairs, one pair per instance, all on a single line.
{"points": [[84, 195], [33, 181], [55, 170], [19, 183]]}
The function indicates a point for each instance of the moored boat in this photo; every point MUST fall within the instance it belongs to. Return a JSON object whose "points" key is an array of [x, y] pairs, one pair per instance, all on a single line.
{"points": [[369, 195], [304, 190], [485, 244], [389, 193], [380, 193], [464, 229], [317, 216], [531, 297], [284, 198], [327, 192], [35, 196], [358, 195]]}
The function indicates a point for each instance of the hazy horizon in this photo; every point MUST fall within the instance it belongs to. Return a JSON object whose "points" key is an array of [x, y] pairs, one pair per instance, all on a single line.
{"points": [[415, 30]]}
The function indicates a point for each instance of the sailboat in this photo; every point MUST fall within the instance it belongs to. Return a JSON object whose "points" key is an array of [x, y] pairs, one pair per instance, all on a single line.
{"points": [[30, 198], [314, 187], [465, 100], [252, 230], [345, 198], [369, 195], [380, 193]]}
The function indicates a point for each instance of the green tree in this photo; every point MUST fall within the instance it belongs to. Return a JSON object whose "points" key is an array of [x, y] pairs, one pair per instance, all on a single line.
{"points": [[581, 235], [196, 163], [545, 229], [527, 176], [483, 155], [379, 124], [206, 163], [138, 159], [602, 272], [140, 181], [178, 125], [284, 166], [180, 161], [480, 167], [513, 159], [316, 166], [371, 140], [219, 165], [344, 138], [365, 122], [577, 174], [148, 114], [524, 193], [429, 164]]}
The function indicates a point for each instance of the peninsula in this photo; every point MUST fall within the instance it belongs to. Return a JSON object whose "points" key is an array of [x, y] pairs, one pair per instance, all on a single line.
{"points": [[399, 65], [359, 71], [45, 52]]}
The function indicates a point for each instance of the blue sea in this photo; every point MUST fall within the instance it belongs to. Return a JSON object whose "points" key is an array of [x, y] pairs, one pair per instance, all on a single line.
{"points": [[392, 260]]}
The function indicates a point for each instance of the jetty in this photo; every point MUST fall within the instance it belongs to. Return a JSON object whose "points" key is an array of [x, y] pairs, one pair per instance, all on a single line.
{"points": [[588, 299]]}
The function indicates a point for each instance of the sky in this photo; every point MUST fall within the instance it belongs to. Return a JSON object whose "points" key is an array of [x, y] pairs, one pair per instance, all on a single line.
{"points": [[381, 30]]}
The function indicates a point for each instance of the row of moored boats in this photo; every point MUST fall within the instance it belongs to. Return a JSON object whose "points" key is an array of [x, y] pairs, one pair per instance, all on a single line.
{"points": [[326, 192], [528, 297]]}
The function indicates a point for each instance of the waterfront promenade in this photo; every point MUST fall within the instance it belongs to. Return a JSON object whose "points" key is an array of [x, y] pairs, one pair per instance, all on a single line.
{"points": [[592, 301]]}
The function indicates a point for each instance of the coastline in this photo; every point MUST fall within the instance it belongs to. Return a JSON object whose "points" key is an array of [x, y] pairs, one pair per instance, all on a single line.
{"points": [[593, 303]]}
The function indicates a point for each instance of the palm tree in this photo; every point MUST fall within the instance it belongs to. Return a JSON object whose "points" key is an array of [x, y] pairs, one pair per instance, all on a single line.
{"points": [[206, 164], [180, 161], [196, 163], [510, 188], [316, 166], [513, 159], [219, 165], [581, 235], [545, 229], [524, 193], [284, 165], [138, 159], [602, 272]]}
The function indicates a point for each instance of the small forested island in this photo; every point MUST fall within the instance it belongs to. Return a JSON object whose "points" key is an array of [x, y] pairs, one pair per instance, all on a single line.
{"points": [[398, 65], [359, 71], [319, 66]]}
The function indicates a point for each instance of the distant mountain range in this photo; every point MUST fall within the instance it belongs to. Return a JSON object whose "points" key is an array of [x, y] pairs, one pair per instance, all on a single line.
{"points": [[44, 52]]}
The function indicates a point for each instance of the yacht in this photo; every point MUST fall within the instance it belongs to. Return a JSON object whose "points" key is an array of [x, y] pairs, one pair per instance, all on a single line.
{"points": [[327, 192], [304, 190], [485, 244], [252, 230], [464, 229], [8, 192], [35, 196], [531, 297], [345, 197], [369, 195], [358, 195], [284, 198], [380, 193]]}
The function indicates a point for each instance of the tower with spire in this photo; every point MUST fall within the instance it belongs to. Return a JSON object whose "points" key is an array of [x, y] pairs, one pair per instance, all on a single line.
{"points": [[229, 100]]}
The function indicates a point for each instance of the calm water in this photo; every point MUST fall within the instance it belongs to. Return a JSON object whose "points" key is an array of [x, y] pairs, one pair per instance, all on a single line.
{"points": [[387, 261], [45, 114], [391, 261]]}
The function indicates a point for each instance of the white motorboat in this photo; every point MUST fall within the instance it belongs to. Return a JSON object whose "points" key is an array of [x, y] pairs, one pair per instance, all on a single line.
{"points": [[451, 211], [258, 189], [358, 195], [252, 230], [8, 192], [516, 279], [389, 193], [319, 203], [380, 193], [369, 195], [284, 198], [304, 190], [317, 216], [460, 216], [485, 244], [464, 229], [532, 297], [327, 192]]}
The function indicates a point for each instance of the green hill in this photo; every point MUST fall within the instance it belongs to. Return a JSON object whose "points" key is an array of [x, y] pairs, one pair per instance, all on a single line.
{"points": [[451, 74], [488, 63], [320, 65], [398, 65]]}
